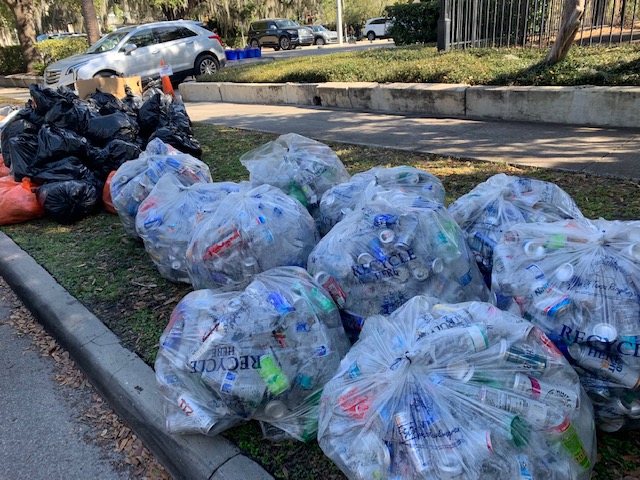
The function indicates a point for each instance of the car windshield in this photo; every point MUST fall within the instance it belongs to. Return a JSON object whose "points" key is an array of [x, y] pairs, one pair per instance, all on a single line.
{"points": [[108, 42], [286, 23], [318, 28]]}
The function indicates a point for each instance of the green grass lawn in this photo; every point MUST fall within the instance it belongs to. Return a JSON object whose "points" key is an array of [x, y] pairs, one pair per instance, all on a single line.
{"points": [[112, 275], [616, 65]]}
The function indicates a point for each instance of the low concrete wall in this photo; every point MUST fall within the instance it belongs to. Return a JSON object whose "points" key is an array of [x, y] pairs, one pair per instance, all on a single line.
{"points": [[585, 105], [19, 80]]}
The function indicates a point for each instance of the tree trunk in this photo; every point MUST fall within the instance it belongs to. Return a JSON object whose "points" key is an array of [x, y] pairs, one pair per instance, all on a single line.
{"points": [[90, 21], [26, 26], [571, 17]]}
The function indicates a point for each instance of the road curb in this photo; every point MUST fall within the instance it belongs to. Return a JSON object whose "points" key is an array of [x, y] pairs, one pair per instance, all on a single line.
{"points": [[120, 376]]}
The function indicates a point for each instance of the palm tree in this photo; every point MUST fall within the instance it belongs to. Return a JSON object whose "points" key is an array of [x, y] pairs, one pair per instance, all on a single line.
{"points": [[90, 21]]}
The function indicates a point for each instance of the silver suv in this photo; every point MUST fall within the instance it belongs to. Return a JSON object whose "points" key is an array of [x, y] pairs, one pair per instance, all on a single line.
{"points": [[138, 49], [377, 28]]}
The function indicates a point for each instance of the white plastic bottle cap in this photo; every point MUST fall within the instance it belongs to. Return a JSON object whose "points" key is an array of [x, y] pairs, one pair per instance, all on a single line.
{"points": [[437, 265], [275, 409], [606, 332], [564, 273], [534, 249], [365, 258], [386, 236]]}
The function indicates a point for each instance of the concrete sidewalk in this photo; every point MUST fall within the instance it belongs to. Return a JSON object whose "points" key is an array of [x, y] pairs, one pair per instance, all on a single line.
{"points": [[598, 150]]}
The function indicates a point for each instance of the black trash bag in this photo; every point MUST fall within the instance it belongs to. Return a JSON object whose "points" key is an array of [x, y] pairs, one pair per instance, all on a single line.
{"points": [[70, 115], [115, 126], [149, 115], [43, 98], [69, 168], [22, 150], [132, 101], [69, 201], [183, 142], [55, 143], [18, 125], [178, 119], [103, 161], [107, 103], [68, 94]]}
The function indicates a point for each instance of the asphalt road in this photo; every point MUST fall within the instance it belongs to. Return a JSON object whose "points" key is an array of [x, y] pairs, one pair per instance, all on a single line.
{"points": [[42, 434]]}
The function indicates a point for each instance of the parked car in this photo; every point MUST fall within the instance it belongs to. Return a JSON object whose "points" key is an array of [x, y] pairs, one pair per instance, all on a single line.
{"points": [[377, 28], [321, 35], [59, 36], [279, 33], [138, 49]]}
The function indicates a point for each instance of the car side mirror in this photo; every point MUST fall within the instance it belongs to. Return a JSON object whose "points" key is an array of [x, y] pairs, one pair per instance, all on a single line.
{"points": [[128, 48]]}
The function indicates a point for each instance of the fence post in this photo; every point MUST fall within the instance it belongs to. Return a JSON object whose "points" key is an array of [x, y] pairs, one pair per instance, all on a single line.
{"points": [[444, 26]]}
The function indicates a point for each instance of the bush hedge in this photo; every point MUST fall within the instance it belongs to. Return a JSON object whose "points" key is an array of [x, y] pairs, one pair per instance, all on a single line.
{"points": [[414, 22], [50, 51]]}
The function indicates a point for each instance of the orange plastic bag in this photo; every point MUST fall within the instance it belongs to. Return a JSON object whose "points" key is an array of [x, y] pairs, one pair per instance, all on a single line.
{"points": [[4, 170], [106, 194], [17, 202]]}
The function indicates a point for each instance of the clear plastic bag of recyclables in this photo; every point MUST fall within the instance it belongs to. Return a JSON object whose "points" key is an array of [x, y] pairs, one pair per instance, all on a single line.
{"points": [[354, 194], [456, 391], [299, 166], [580, 283], [166, 220], [263, 353], [492, 207], [397, 246], [135, 179], [250, 232]]}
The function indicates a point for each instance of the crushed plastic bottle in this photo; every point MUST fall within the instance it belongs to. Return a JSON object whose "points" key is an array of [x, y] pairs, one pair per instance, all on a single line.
{"points": [[398, 408], [363, 187], [492, 207], [166, 220], [261, 353], [135, 179], [396, 247], [250, 232], [575, 280], [301, 167]]}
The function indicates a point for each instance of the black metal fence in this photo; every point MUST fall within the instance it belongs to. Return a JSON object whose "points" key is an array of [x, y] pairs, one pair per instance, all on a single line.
{"points": [[533, 23]]}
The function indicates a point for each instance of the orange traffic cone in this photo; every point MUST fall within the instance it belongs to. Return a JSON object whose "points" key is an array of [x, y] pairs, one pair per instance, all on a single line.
{"points": [[167, 88]]}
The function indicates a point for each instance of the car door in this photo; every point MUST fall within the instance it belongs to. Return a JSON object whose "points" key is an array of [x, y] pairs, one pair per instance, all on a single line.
{"points": [[271, 34], [177, 47], [144, 60]]}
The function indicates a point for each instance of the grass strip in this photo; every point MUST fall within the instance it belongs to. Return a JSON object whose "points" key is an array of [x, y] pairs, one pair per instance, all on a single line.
{"points": [[611, 65], [110, 273]]}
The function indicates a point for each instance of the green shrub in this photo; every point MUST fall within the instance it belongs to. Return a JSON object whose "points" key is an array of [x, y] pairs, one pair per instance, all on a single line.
{"points": [[11, 60], [54, 50], [50, 51], [414, 22]]}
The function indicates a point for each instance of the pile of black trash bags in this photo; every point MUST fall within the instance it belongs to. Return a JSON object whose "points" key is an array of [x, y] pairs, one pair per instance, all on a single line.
{"points": [[68, 146]]}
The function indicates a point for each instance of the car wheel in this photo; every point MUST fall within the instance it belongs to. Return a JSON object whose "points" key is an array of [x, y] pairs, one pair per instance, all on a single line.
{"points": [[206, 64], [319, 41], [371, 36], [255, 43], [105, 74], [285, 43]]}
